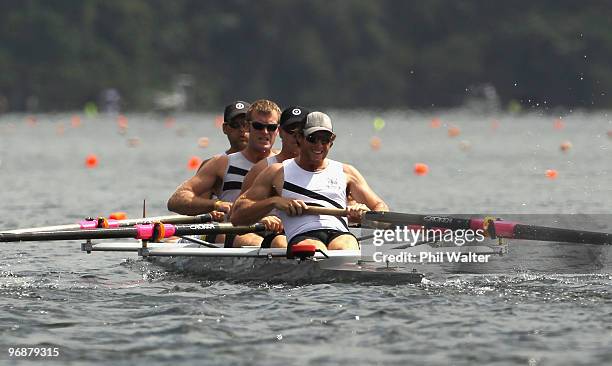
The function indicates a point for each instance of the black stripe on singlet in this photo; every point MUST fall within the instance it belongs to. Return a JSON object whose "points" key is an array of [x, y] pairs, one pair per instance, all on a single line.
{"points": [[339, 218], [235, 170], [305, 192], [228, 186]]}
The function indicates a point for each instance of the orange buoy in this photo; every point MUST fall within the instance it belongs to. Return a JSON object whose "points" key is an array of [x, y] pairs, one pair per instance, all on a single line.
{"points": [[610, 134], [170, 122], [495, 124], [375, 143], [453, 131], [203, 142], [558, 124], [119, 215], [551, 174], [75, 121], [218, 121], [91, 161], [566, 146], [194, 163], [421, 169], [435, 123], [122, 121], [31, 121]]}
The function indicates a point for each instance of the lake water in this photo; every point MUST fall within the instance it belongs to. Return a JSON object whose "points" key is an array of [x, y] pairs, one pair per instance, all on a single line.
{"points": [[542, 304]]}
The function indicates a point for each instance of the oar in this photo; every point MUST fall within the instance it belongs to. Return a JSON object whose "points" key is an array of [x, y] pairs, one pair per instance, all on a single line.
{"points": [[102, 222], [317, 210], [153, 232], [494, 228]]}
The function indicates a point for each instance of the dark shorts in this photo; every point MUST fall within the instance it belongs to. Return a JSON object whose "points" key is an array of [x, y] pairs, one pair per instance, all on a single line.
{"points": [[325, 236], [267, 236]]}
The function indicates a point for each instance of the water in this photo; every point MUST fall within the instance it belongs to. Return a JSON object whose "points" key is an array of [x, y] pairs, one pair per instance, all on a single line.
{"points": [[543, 304]]}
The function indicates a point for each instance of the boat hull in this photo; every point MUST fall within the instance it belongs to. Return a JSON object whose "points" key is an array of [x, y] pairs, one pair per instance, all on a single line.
{"points": [[279, 270]]}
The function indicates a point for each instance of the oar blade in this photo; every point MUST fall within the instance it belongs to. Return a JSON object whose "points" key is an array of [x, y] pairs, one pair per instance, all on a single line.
{"points": [[542, 233]]}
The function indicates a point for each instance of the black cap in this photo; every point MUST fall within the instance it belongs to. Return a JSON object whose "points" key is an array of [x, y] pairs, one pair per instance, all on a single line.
{"points": [[235, 109], [293, 114]]}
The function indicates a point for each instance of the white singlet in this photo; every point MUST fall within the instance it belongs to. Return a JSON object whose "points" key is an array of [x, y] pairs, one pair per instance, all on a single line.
{"points": [[324, 188], [237, 167]]}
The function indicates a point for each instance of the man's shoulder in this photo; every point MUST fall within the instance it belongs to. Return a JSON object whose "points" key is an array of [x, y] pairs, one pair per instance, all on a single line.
{"points": [[272, 171], [214, 165], [350, 171], [257, 168], [275, 167], [219, 158], [348, 167]]}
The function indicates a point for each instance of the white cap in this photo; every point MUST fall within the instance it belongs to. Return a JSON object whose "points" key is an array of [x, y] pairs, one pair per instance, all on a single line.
{"points": [[317, 121]]}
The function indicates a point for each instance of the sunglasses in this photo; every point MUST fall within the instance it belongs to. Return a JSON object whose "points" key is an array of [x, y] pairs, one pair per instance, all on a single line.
{"points": [[324, 139], [260, 126], [291, 129], [236, 124]]}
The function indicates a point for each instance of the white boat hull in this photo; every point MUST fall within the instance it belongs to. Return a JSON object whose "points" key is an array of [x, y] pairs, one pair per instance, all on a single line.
{"points": [[271, 264]]}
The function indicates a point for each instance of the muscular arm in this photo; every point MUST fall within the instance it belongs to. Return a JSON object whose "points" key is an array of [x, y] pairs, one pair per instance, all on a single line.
{"points": [[204, 163], [361, 192], [249, 179], [260, 198], [192, 197]]}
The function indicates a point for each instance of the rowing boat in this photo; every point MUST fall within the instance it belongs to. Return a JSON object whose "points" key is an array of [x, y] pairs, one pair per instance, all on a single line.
{"points": [[272, 264], [392, 261], [264, 264]]}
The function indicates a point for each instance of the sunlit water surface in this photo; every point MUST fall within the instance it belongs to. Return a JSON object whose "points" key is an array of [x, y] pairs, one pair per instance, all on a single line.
{"points": [[543, 304]]}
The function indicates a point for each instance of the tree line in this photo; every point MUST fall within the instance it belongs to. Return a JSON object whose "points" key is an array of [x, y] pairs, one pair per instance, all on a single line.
{"points": [[61, 54]]}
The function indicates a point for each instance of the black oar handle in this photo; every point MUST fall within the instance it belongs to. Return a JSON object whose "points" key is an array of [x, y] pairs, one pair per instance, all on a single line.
{"points": [[437, 221], [215, 228]]}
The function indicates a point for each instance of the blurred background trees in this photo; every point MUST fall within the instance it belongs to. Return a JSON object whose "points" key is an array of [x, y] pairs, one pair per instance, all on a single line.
{"points": [[60, 54]]}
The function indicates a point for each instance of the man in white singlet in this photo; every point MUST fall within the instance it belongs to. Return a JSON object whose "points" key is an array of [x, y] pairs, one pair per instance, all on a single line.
{"points": [[310, 179], [223, 174], [292, 120], [236, 129]]}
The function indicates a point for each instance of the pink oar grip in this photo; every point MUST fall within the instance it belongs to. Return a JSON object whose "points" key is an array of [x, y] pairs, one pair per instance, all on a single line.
{"points": [[504, 229], [146, 231], [88, 224], [93, 224], [170, 230]]}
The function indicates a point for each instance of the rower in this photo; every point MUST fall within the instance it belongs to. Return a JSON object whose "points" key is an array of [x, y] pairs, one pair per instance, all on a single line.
{"points": [[310, 179], [235, 127], [223, 174], [292, 119]]}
